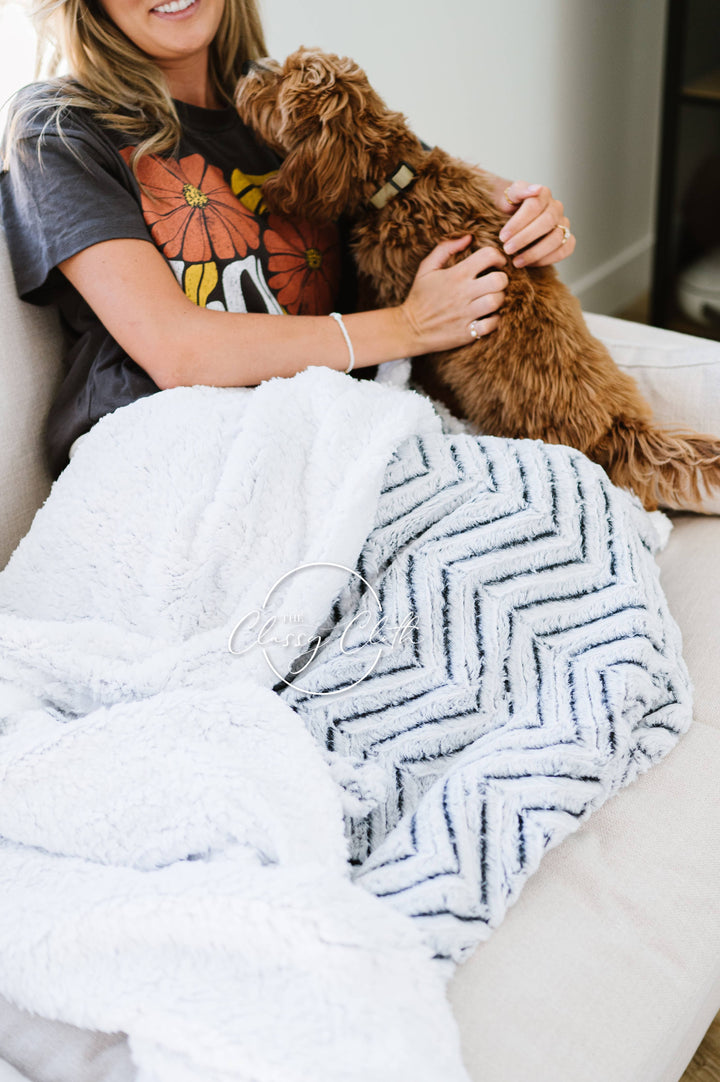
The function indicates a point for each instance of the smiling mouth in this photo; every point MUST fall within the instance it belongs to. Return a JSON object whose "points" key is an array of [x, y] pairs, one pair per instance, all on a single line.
{"points": [[174, 7]]}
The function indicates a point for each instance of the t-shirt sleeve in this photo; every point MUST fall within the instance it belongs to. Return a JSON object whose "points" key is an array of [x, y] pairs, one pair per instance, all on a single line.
{"points": [[75, 192]]}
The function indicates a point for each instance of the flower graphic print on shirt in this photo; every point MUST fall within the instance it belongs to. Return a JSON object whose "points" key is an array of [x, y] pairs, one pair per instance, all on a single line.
{"points": [[304, 265], [191, 210], [224, 250]]}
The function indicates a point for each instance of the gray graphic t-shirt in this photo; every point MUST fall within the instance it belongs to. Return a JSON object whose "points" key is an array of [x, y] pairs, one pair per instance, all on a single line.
{"points": [[202, 208]]}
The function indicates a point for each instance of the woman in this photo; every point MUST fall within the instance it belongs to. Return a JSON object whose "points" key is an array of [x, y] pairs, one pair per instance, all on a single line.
{"points": [[143, 136]]}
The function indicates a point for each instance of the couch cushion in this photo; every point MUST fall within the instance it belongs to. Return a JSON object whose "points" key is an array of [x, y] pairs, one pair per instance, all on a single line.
{"points": [[608, 966], [30, 352], [46, 1051], [9, 1074]]}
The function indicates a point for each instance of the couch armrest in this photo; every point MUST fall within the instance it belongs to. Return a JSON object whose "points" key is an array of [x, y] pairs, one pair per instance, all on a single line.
{"points": [[30, 352]]}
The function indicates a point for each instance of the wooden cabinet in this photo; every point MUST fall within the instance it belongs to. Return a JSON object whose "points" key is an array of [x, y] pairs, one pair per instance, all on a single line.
{"points": [[686, 273]]}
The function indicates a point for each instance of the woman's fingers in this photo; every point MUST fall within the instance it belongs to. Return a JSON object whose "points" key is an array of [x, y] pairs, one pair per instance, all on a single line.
{"points": [[551, 249], [490, 282], [449, 306], [487, 305], [537, 228], [485, 286], [538, 233], [479, 262], [530, 201], [529, 224], [484, 326], [439, 256], [544, 236], [516, 192]]}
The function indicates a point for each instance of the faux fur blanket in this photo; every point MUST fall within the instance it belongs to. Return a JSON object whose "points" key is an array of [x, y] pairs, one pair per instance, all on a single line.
{"points": [[175, 834]]}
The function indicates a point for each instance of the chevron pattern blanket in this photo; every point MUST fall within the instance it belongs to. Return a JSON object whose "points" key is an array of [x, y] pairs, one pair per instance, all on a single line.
{"points": [[295, 692], [501, 662]]}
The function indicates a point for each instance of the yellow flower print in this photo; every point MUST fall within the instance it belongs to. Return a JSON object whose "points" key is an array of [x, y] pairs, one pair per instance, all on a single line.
{"points": [[248, 188]]}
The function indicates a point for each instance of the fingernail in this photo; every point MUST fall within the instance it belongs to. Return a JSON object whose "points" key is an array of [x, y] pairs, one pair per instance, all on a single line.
{"points": [[519, 262], [534, 187], [510, 247], [504, 234]]}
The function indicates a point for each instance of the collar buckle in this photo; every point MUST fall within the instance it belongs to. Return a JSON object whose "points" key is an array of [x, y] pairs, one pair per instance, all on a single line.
{"points": [[401, 179]]}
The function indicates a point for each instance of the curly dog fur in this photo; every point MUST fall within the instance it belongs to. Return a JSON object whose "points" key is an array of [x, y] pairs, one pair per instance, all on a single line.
{"points": [[541, 374]]}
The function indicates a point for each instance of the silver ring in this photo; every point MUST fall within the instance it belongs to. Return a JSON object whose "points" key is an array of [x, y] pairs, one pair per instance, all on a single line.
{"points": [[473, 329]]}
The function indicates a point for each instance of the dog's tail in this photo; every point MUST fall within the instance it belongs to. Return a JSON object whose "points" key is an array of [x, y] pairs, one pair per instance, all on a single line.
{"points": [[677, 469]]}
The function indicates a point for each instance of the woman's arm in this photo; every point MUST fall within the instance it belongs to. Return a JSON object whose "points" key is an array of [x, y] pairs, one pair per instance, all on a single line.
{"points": [[133, 292], [538, 225]]}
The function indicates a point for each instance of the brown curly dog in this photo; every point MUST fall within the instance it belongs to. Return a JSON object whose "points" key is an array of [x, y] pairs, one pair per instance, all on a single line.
{"points": [[540, 375]]}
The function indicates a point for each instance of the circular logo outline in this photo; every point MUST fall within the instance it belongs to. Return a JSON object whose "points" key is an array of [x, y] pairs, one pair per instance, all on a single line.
{"points": [[278, 583]]}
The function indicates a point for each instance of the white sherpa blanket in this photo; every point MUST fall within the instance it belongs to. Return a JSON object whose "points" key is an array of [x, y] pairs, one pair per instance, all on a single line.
{"points": [[172, 858]]}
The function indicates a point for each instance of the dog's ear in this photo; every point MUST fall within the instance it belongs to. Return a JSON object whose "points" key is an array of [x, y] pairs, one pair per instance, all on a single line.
{"points": [[316, 181]]}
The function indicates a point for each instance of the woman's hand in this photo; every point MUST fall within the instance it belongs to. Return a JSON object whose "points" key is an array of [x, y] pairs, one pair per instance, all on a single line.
{"points": [[448, 307], [538, 224]]}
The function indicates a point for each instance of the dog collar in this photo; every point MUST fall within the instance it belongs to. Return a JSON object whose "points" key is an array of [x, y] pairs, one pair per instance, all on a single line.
{"points": [[401, 179]]}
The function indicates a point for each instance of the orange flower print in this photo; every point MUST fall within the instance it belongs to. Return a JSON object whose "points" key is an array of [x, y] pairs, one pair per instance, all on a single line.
{"points": [[303, 265], [191, 210]]}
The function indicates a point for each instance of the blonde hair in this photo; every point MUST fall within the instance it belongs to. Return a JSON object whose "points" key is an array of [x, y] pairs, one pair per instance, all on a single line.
{"points": [[118, 83]]}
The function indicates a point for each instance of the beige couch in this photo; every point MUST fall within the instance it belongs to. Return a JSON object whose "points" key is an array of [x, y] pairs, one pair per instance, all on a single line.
{"points": [[608, 967]]}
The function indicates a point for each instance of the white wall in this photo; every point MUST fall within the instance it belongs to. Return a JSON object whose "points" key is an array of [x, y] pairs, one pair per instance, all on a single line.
{"points": [[17, 51], [562, 92]]}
